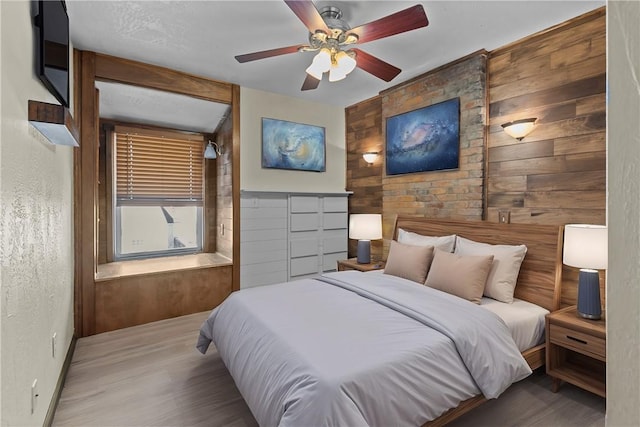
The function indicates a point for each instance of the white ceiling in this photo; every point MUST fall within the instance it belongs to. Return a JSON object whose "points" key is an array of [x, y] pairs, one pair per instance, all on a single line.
{"points": [[202, 37]]}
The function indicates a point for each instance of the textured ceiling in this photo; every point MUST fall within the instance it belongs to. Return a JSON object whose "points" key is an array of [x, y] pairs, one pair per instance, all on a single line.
{"points": [[202, 37]]}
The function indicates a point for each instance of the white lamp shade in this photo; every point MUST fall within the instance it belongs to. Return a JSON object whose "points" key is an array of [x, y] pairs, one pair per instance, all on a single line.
{"points": [[370, 157], [210, 152], [365, 226], [520, 128], [585, 246], [320, 64], [344, 65]]}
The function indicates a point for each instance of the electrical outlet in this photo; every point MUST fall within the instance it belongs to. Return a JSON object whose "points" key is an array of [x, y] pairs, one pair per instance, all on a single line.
{"points": [[504, 217], [34, 395], [53, 345]]}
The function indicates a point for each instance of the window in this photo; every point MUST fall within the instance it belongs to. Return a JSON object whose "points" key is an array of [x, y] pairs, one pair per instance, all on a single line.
{"points": [[159, 192]]}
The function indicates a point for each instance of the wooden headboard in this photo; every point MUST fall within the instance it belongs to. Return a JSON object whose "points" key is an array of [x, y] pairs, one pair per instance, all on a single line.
{"points": [[541, 272]]}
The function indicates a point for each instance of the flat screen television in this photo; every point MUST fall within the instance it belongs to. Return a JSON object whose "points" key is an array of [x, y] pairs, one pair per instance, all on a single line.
{"points": [[52, 47]]}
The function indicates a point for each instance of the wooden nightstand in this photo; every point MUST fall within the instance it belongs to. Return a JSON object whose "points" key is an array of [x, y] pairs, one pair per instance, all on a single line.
{"points": [[576, 350], [352, 264]]}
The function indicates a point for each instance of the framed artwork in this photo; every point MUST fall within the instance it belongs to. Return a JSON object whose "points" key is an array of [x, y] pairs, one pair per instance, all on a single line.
{"points": [[296, 146], [426, 139]]}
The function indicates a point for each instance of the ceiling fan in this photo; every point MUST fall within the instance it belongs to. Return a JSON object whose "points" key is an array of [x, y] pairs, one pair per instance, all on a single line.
{"points": [[332, 38]]}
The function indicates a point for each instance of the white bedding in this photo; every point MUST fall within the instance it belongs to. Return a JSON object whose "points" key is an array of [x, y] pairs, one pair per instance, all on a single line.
{"points": [[524, 320], [358, 351]]}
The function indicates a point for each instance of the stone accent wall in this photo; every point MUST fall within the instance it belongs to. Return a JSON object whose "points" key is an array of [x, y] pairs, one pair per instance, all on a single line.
{"points": [[451, 193]]}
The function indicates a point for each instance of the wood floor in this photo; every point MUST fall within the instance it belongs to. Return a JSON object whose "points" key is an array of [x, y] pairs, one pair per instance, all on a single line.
{"points": [[152, 375]]}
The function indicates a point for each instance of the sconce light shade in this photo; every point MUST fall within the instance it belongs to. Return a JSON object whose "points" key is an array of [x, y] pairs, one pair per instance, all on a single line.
{"points": [[365, 227], [212, 151], [518, 129], [370, 157], [585, 247]]}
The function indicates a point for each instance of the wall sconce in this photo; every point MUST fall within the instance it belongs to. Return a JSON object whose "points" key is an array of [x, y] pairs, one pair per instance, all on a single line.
{"points": [[212, 151], [370, 157], [518, 129]]}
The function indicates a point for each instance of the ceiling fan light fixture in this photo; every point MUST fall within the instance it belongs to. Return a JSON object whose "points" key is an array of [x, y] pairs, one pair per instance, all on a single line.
{"points": [[321, 63], [343, 65]]}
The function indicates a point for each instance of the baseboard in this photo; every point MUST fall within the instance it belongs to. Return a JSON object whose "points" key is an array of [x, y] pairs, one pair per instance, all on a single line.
{"points": [[48, 420]]}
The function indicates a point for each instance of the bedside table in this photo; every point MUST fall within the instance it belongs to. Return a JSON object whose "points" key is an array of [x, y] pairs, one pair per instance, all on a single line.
{"points": [[352, 264], [576, 350]]}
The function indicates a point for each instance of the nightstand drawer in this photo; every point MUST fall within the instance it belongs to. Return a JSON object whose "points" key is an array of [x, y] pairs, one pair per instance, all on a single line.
{"points": [[578, 341]]}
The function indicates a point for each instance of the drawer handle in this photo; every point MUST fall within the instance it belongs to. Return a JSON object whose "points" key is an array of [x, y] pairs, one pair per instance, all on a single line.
{"points": [[577, 339]]}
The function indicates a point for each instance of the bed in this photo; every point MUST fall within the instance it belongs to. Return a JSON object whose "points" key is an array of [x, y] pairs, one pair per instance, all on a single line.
{"points": [[353, 348]]}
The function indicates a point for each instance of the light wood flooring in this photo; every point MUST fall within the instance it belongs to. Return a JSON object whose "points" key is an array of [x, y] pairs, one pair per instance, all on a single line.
{"points": [[152, 375]]}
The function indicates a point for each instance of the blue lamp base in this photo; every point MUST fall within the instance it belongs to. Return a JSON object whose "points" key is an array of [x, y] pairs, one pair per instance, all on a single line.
{"points": [[364, 251], [589, 294]]}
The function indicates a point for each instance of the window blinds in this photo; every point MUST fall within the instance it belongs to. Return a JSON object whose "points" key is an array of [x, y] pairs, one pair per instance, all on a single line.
{"points": [[154, 167]]}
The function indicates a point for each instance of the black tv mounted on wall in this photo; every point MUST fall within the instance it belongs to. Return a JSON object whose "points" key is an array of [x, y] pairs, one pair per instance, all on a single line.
{"points": [[51, 24]]}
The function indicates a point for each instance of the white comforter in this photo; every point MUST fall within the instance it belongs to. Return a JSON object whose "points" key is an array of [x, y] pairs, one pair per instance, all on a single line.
{"points": [[354, 349]]}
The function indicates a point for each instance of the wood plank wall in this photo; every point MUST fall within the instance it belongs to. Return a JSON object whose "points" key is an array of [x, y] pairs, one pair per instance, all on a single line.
{"points": [[364, 134], [557, 174]]}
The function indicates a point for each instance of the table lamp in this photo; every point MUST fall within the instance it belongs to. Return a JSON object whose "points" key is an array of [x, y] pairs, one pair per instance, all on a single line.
{"points": [[585, 247], [365, 227]]}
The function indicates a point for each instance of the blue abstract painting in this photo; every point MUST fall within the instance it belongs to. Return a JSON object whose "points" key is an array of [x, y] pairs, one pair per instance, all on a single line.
{"points": [[423, 140], [288, 145]]}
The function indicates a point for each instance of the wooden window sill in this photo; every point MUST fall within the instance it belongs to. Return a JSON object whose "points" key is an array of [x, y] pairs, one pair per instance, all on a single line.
{"points": [[139, 267]]}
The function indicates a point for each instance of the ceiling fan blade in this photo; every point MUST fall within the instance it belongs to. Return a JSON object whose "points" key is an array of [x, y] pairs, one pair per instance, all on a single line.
{"points": [[308, 14], [376, 66], [399, 22], [267, 53], [310, 83]]}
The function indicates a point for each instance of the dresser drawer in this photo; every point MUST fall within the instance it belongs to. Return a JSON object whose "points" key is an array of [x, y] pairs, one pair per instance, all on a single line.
{"points": [[578, 341]]}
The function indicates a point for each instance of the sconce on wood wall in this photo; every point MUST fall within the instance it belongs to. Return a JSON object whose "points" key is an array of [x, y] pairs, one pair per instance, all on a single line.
{"points": [[370, 157], [518, 129]]}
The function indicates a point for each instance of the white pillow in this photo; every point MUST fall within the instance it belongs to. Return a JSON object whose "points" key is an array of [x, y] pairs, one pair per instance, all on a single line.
{"points": [[502, 279], [444, 243]]}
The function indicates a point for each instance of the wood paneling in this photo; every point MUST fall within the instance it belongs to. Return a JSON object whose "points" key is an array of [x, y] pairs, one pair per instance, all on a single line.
{"points": [[364, 134], [130, 301], [560, 168], [557, 174], [90, 66]]}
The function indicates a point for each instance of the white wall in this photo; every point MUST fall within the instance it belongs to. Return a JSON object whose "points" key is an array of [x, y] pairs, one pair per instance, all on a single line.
{"points": [[623, 166], [36, 229], [256, 104]]}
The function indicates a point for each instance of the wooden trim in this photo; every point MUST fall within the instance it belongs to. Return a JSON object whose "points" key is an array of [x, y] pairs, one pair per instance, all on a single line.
{"points": [[457, 412], [535, 356], [88, 183], [435, 70], [44, 116], [57, 391], [235, 184], [563, 26], [77, 197], [109, 194], [111, 68]]}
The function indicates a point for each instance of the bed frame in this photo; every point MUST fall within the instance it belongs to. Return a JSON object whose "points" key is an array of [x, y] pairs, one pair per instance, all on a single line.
{"points": [[539, 280]]}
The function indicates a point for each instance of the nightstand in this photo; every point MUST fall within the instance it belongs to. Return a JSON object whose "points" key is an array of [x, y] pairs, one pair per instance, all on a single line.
{"points": [[576, 351], [352, 264]]}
